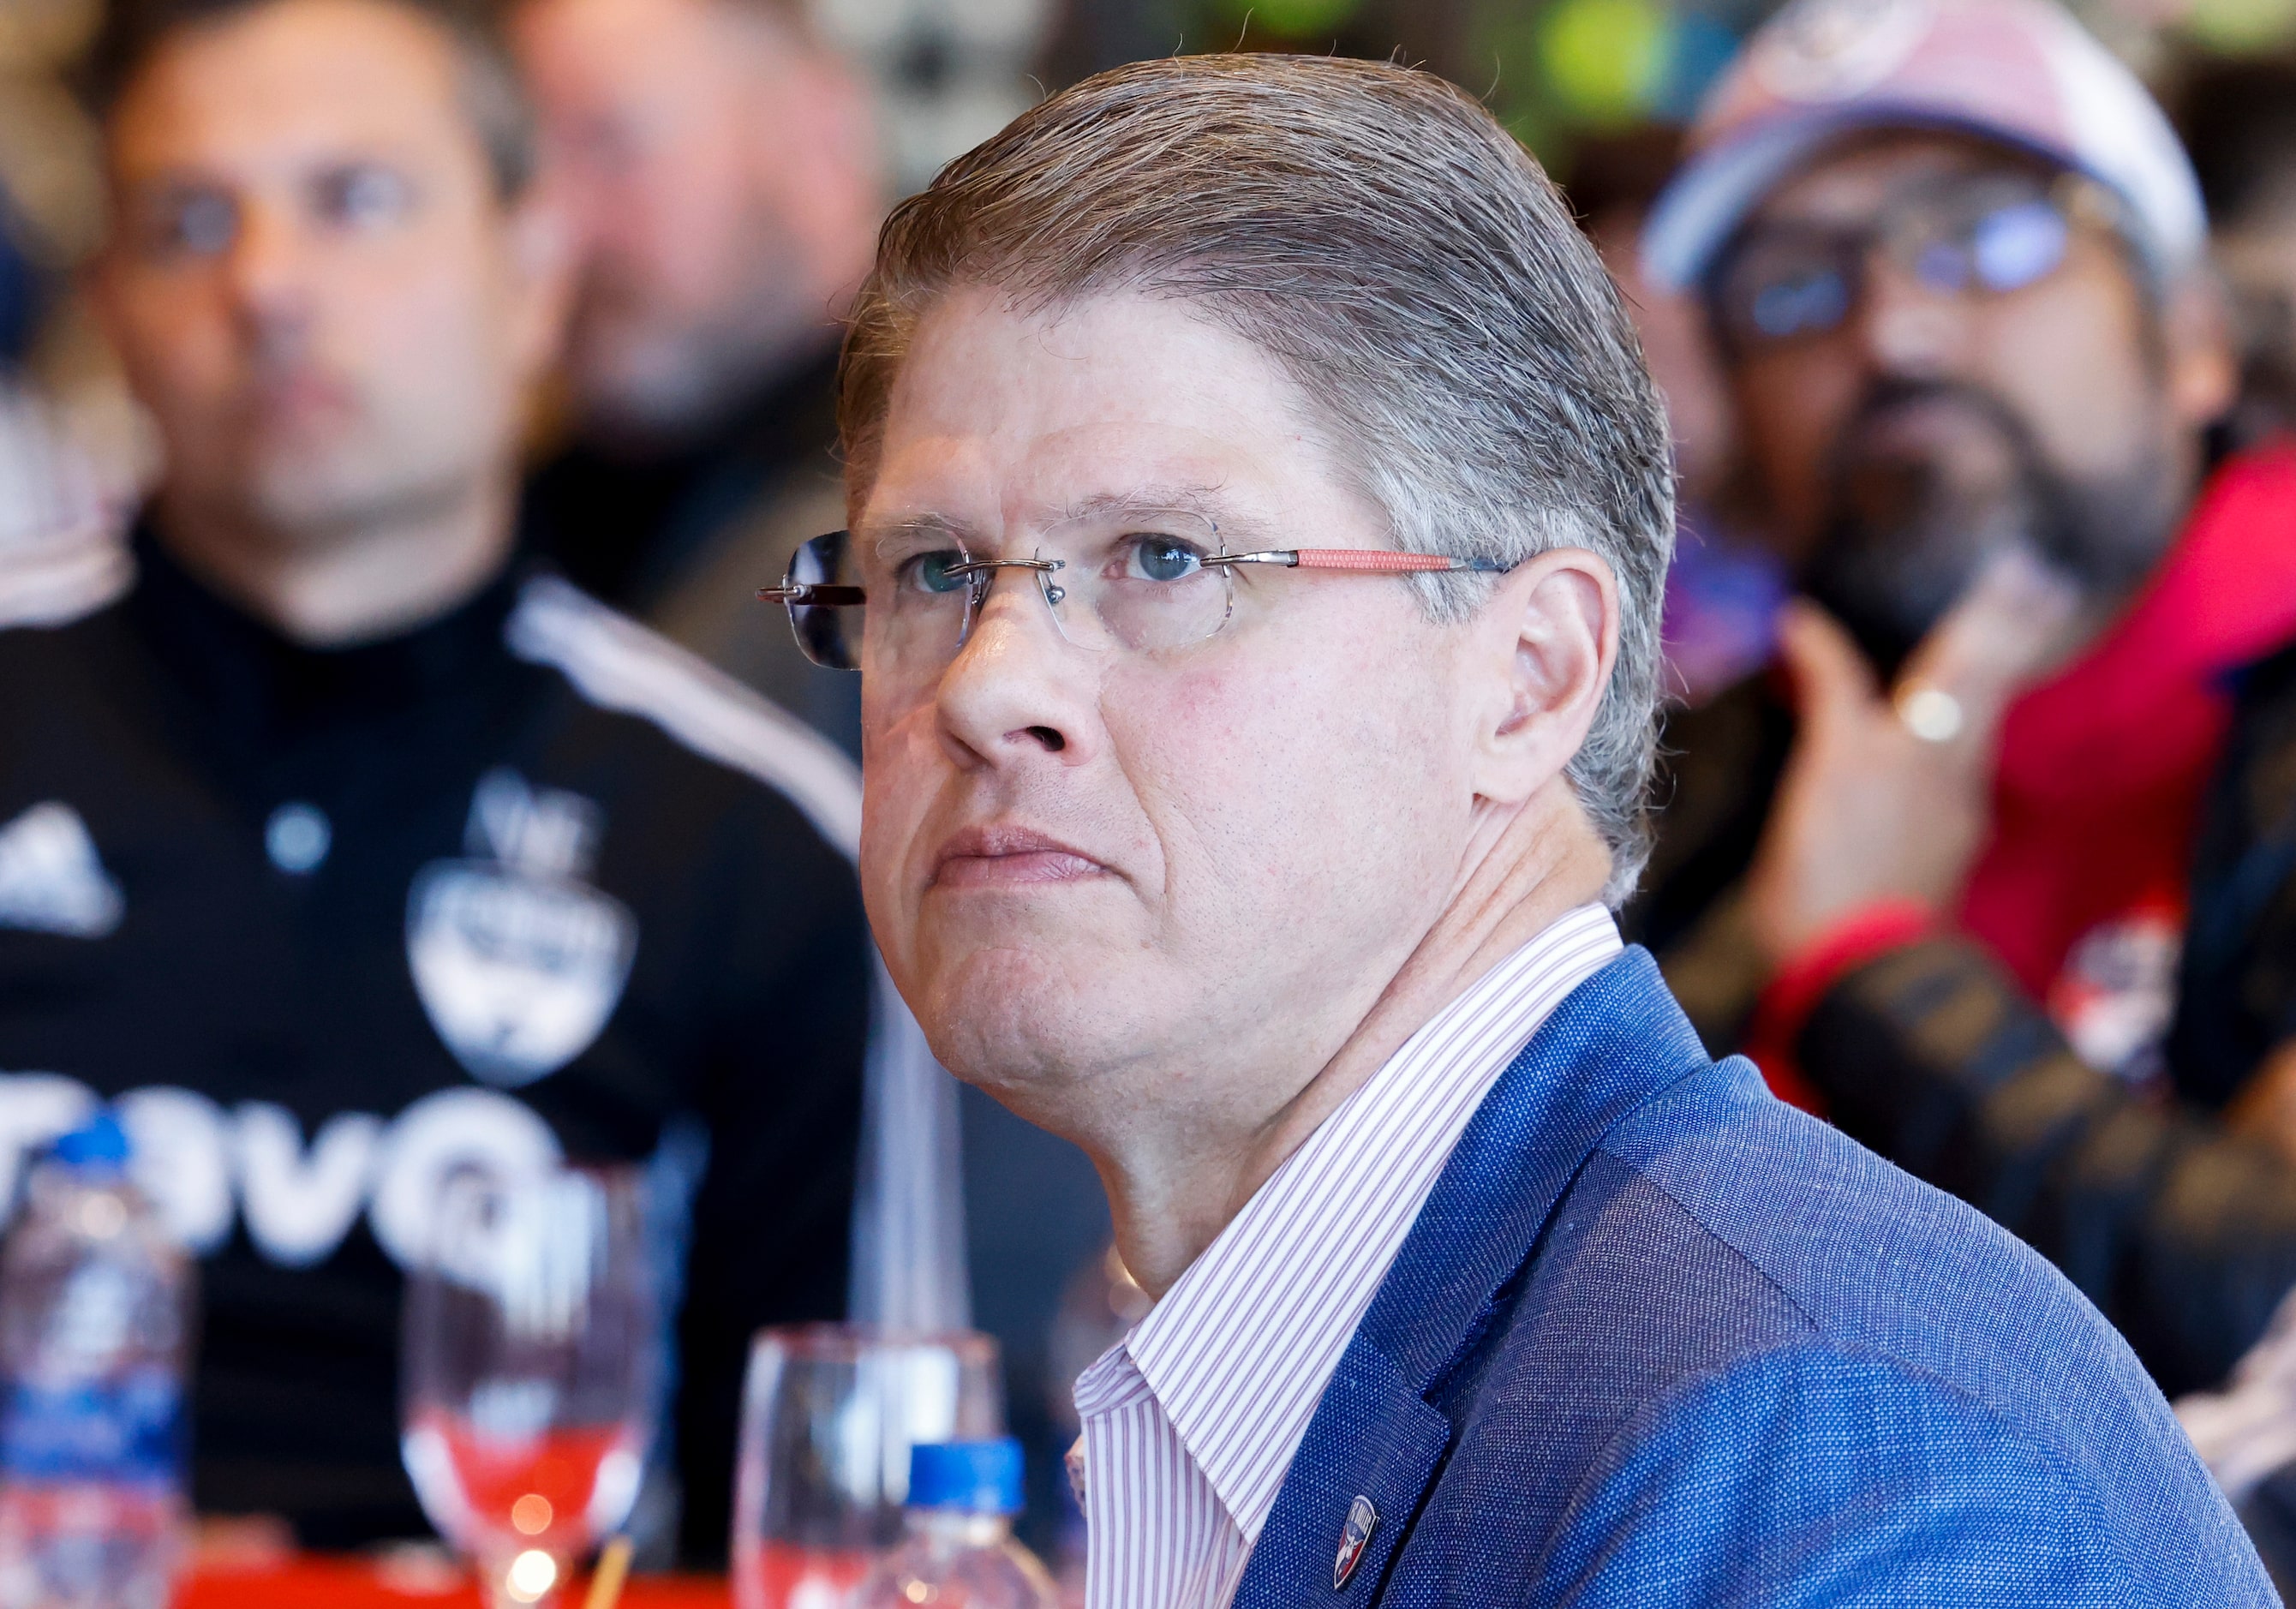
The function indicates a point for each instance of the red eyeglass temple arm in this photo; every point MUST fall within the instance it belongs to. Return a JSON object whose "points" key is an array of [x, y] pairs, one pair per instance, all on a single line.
{"points": [[1368, 561], [1361, 560]]}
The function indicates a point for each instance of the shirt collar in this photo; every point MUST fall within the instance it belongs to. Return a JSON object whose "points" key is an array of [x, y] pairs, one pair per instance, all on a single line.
{"points": [[258, 680], [1241, 1348]]}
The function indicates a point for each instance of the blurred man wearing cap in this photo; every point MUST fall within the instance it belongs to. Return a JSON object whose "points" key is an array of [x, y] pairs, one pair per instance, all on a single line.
{"points": [[1951, 252], [720, 166], [1258, 523]]}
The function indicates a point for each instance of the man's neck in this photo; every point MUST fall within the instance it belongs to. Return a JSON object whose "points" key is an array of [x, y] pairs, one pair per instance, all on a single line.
{"points": [[1172, 1196], [352, 587]]}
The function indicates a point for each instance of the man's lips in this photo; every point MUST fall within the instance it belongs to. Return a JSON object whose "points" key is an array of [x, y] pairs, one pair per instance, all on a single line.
{"points": [[298, 402], [1008, 858]]}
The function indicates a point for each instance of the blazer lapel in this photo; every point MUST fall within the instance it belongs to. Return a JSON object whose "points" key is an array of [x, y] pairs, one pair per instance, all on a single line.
{"points": [[1376, 1442]]}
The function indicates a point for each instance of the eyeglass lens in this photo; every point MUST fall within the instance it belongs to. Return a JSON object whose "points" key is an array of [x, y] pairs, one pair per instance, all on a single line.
{"points": [[1793, 282], [823, 631], [1134, 581]]}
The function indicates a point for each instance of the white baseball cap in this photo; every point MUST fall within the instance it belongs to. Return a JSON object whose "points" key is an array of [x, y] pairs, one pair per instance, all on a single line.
{"points": [[2022, 72]]}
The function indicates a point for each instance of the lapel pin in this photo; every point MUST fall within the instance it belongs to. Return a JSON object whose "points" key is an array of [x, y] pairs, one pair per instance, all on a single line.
{"points": [[1361, 1517]]}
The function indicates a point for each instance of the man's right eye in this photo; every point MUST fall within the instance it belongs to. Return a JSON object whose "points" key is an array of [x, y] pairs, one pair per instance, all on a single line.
{"points": [[1798, 299], [195, 224], [928, 572]]}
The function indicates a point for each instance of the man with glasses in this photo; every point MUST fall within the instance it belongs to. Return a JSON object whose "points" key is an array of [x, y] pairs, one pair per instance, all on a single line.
{"points": [[1934, 870], [1259, 516]]}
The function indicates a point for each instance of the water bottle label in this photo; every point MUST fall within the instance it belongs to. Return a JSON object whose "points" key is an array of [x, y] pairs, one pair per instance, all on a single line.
{"points": [[124, 1430]]}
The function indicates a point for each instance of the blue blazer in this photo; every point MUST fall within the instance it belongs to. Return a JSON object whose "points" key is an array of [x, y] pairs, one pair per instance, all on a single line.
{"points": [[1658, 1339]]}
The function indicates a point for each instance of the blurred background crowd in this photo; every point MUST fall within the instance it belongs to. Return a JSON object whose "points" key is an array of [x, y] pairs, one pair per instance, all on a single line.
{"points": [[1601, 90], [2025, 924]]}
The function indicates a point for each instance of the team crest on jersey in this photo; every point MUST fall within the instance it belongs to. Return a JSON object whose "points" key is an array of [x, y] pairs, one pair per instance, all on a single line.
{"points": [[519, 962]]}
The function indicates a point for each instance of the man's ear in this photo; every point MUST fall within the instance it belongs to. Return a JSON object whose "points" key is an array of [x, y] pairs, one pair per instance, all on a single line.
{"points": [[2203, 373], [818, 152], [92, 280], [840, 118], [541, 241], [95, 279], [1544, 644]]}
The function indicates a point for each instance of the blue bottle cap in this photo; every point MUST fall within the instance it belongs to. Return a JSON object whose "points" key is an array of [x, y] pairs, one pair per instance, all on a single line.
{"points": [[976, 1477], [99, 1144]]}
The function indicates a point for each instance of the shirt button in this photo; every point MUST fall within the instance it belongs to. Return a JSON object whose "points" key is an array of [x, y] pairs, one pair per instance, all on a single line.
{"points": [[298, 837]]}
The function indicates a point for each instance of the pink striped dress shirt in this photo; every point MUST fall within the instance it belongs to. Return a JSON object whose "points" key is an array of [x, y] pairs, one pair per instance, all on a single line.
{"points": [[1191, 1423]]}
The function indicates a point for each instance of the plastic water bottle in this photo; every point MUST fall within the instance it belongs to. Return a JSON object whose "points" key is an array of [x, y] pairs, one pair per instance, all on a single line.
{"points": [[959, 1551], [94, 1304]]}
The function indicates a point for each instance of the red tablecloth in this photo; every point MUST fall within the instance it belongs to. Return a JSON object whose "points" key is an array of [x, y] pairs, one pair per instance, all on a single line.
{"points": [[357, 1583]]}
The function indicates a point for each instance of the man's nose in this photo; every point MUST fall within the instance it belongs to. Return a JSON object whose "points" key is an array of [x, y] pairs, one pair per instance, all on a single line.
{"points": [[1909, 329], [269, 269], [1018, 690]]}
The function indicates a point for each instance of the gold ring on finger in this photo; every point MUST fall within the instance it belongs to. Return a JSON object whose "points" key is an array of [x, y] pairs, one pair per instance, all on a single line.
{"points": [[1929, 712]]}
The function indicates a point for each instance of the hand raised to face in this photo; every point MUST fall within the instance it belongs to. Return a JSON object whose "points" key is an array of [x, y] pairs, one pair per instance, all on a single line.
{"points": [[1885, 795]]}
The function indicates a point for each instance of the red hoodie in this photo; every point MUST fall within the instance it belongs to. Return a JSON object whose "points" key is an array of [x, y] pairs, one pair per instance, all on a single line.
{"points": [[2100, 782]]}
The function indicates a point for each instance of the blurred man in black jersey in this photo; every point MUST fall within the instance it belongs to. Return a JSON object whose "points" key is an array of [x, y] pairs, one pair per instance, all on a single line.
{"points": [[341, 851], [720, 166]]}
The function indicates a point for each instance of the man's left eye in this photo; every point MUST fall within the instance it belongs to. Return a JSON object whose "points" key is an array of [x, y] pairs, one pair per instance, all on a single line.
{"points": [[364, 196], [1162, 559], [2015, 246]]}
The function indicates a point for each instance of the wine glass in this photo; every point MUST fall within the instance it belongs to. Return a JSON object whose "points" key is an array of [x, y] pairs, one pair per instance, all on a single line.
{"points": [[829, 1413], [528, 1371]]}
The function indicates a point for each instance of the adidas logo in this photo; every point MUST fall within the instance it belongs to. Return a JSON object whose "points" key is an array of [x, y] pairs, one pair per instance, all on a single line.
{"points": [[51, 880]]}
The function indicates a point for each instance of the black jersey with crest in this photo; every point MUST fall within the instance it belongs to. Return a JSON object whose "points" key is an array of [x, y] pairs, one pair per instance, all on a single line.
{"points": [[524, 884]]}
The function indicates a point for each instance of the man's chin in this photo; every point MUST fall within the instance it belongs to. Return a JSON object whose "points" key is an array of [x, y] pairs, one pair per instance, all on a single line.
{"points": [[1023, 1023], [329, 497]]}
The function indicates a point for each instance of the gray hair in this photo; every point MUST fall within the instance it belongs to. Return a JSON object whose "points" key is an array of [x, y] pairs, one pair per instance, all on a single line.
{"points": [[1377, 234]]}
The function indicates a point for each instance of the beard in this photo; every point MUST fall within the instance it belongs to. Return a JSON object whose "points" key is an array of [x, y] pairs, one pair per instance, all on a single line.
{"points": [[1930, 481]]}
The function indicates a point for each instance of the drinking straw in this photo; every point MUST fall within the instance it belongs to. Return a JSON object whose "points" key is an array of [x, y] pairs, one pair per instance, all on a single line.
{"points": [[614, 1570]]}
